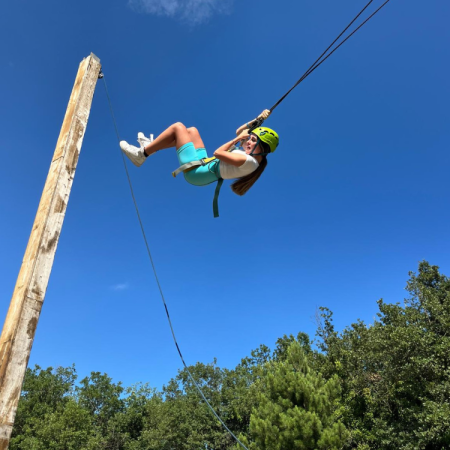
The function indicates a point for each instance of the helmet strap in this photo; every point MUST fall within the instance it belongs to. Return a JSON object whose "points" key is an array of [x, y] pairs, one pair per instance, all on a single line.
{"points": [[256, 145], [254, 148]]}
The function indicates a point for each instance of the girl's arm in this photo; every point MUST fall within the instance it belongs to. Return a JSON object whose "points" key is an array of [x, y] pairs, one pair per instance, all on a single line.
{"points": [[264, 115], [235, 159]]}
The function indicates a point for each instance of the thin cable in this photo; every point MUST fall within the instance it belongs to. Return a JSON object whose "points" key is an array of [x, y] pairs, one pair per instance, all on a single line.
{"points": [[317, 63], [157, 279], [347, 38]]}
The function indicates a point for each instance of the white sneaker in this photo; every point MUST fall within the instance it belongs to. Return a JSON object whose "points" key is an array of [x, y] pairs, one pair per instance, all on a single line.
{"points": [[143, 139], [135, 154]]}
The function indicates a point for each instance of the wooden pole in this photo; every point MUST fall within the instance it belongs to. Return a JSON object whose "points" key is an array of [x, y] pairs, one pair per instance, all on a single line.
{"points": [[28, 296]]}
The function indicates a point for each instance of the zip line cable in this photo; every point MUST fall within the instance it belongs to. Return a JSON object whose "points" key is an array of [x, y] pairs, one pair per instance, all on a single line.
{"points": [[157, 279], [319, 61], [320, 57], [345, 40]]}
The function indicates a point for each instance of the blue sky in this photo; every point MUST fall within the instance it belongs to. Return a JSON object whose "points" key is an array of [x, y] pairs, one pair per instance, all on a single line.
{"points": [[355, 196]]}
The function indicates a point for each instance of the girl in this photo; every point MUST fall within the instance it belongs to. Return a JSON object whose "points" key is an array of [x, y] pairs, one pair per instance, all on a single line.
{"points": [[244, 163]]}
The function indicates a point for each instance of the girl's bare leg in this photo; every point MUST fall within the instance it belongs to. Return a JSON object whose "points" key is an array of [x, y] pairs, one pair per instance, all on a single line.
{"points": [[175, 136], [195, 137]]}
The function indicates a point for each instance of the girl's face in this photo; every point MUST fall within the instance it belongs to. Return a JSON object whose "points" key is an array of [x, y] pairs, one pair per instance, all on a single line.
{"points": [[250, 144]]}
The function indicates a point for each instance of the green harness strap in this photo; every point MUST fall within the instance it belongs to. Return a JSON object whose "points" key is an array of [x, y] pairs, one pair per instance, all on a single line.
{"points": [[216, 197]]}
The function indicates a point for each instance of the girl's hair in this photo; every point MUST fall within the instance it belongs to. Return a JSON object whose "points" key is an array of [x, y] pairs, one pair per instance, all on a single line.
{"points": [[242, 185]]}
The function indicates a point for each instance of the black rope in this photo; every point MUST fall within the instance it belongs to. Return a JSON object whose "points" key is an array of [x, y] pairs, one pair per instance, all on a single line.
{"points": [[317, 63], [157, 279]]}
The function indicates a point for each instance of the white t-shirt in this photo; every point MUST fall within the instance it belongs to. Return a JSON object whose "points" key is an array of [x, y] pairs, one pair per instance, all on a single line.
{"points": [[228, 171]]}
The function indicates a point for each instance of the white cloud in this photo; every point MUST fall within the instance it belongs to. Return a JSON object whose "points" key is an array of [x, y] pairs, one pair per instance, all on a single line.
{"points": [[192, 12], [120, 287]]}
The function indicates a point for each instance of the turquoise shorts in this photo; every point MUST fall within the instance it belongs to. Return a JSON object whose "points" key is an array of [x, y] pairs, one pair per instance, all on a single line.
{"points": [[201, 175]]}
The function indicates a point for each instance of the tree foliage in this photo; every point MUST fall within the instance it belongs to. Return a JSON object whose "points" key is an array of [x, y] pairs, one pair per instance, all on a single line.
{"points": [[384, 385], [297, 407], [395, 373]]}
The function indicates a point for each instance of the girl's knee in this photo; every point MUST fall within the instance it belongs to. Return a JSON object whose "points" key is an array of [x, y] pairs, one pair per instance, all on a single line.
{"points": [[178, 126], [193, 131]]}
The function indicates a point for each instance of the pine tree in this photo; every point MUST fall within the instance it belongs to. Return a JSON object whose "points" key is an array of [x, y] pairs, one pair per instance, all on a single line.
{"points": [[297, 408]]}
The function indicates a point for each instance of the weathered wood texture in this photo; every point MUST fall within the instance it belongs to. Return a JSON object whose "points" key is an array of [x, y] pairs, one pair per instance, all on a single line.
{"points": [[28, 297]]}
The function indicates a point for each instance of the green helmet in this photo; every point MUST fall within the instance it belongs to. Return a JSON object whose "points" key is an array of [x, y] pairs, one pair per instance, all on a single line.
{"points": [[267, 136]]}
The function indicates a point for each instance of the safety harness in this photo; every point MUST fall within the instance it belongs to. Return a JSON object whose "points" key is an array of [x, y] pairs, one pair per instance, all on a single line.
{"points": [[203, 162], [187, 167]]}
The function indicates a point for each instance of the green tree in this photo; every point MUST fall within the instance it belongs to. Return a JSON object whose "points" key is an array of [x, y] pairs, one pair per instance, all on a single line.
{"points": [[125, 428], [100, 396], [183, 421], [297, 407], [282, 345], [48, 417], [239, 393], [396, 373], [70, 428], [103, 400]]}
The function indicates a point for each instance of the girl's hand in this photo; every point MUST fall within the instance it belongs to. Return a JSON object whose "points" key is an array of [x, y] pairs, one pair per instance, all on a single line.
{"points": [[243, 135], [240, 138], [265, 114]]}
